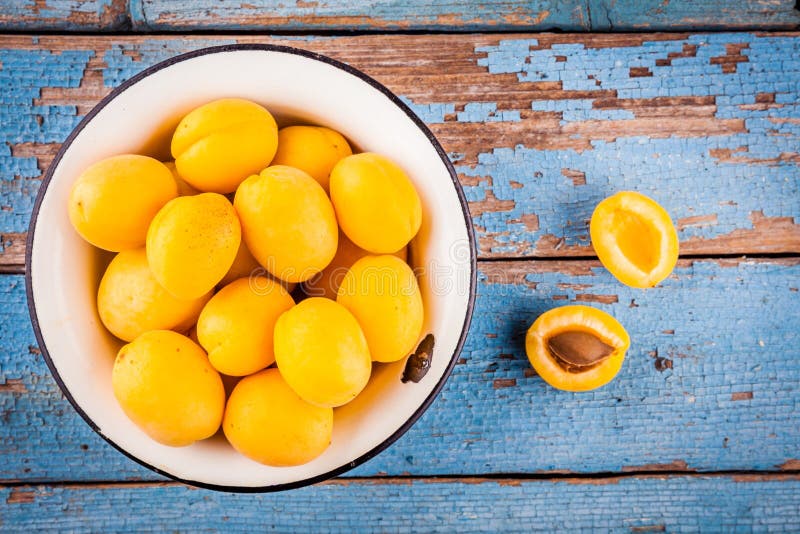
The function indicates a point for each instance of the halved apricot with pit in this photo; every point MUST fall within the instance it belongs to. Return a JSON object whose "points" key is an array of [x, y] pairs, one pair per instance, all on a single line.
{"points": [[634, 238], [576, 348]]}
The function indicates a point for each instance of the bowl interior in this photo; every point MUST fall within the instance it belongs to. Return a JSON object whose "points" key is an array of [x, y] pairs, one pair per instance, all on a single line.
{"points": [[296, 88]]}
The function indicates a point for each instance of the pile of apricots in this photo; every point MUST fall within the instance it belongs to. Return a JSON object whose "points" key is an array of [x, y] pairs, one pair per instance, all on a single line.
{"points": [[209, 251]]}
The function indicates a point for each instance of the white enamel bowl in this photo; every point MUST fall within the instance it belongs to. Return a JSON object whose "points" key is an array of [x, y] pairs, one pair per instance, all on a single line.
{"points": [[297, 87]]}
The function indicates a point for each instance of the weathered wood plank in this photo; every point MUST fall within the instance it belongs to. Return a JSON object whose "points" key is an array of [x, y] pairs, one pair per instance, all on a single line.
{"points": [[631, 504], [711, 382], [64, 15], [385, 15], [610, 15], [540, 128]]}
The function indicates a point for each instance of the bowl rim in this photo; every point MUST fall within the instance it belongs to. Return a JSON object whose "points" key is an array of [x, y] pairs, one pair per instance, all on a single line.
{"points": [[267, 48]]}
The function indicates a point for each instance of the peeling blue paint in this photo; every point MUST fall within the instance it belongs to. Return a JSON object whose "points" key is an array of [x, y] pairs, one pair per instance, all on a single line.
{"points": [[644, 416]]}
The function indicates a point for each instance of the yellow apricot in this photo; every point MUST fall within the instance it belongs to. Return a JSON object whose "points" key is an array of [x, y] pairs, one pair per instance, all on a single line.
{"points": [[192, 242], [219, 144], [288, 222], [322, 353], [268, 422], [184, 189], [166, 386], [634, 238], [130, 301], [326, 283], [313, 149], [237, 324], [382, 293], [576, 348], [113, 201], [376, 204]]}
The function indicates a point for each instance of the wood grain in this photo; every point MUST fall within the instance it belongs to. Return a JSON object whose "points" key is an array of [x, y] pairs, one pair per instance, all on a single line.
{"points": [[640, 504], [64, 15], [540, 128], [387, 16], [710, 383]]}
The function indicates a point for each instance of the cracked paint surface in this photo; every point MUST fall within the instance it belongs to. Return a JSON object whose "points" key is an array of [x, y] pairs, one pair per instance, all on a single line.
{"points": [[719, 388]]}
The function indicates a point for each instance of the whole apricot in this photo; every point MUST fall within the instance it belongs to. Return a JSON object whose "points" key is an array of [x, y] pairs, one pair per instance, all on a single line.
{"points": [[288, 222], [313, 149], [382, 293], [166, 386], [322, 353], [219, 144], [376, 204], [236, 326], [113, 201], [268, 422], [192, 243], [130, 301]]}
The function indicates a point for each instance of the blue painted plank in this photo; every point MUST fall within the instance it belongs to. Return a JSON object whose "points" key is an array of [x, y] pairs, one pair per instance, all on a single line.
{"points": [[384, 15], [674, 504], [711, 382], [540, 129], [64, 15], [677, 15]]}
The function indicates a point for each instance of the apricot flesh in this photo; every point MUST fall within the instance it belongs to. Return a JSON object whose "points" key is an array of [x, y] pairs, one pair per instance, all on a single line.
{"points": [[576, 347]]}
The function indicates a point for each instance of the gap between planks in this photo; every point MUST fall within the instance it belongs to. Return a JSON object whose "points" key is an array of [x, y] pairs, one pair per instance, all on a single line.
{"points": [[510, 479]]}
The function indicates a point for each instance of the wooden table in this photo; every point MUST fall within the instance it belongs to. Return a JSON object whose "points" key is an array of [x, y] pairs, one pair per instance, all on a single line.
{"points": [[701, 429]]}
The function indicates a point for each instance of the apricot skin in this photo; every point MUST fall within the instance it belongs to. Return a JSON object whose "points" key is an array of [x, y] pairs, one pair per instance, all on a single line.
{"points": [[376, 203], [130, 301], [321, 352], [268, 422], [288, 222], [113, 201], [219, 144], [382, 293], [192, 243], [236, 326], [313, 149], [166, 386]]}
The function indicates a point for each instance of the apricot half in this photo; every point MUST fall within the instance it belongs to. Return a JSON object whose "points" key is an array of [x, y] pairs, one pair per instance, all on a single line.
{"points": [[322, 353], [130, 301], [288, 222], [382, 293], [192, 243], [634, 238], [268, 422], [166, 386], [113, 201], [219, 144], [576, 348], [376, 204], [313, 149]]}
